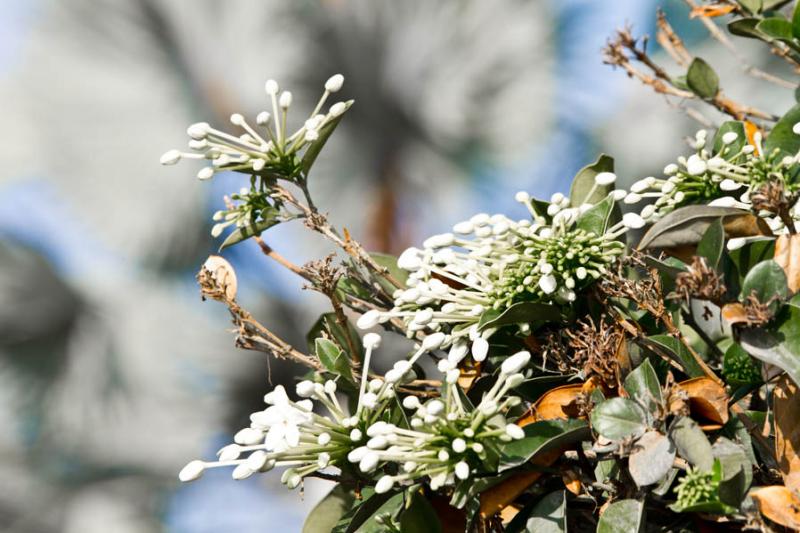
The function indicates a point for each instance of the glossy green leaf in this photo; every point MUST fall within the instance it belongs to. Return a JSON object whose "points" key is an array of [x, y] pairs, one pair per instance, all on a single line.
{"points": [[691, 443], [362, 517], [776, 28], [782, 137], [622, 515], [333, 358], [712, 243], [753, 6], [596, 219], [737, 471], [325, 132], [539, 437], [419, 516], [685, 226], [548, 515], [329, 323], [389, 262], [327, 513], [766, 280], [702, 80], [583, 182], [642, 385], [733, 148], [520, 313], [746, 27], [618, 419], [796, 21], [675, 349], [780, 344]]}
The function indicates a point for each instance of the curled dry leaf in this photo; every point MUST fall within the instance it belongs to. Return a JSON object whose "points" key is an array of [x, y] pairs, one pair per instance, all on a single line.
{"points": [[559, 403], [787, 255], [470, 372], [714, 10], [786, 405], [745, 226], [778, 504], [222, 273], [705, 399], [571, 481], [500, 496]]}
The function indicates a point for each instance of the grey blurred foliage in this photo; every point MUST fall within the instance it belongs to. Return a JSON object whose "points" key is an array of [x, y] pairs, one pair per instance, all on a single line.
{"points": [[111, 377]]}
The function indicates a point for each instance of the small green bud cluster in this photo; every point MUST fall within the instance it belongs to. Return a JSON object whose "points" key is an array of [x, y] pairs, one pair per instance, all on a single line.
{"points": [[696, 487]]}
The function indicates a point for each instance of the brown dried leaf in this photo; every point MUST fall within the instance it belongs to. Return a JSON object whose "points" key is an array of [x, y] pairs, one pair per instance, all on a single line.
{"points": [[787, 255], [745, 226], [707, 401], [470, 372], [778, 504], [560, 402], [786, 405], [500, 496], [715, 10], [571, 481], [734, 313], [750, 129]]}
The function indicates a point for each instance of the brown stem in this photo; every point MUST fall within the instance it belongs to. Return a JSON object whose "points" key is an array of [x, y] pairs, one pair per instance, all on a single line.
{"points": [[272, 254]]}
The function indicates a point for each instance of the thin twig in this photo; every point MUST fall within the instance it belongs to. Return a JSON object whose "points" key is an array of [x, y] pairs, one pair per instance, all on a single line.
{"points": [[272, 254]]}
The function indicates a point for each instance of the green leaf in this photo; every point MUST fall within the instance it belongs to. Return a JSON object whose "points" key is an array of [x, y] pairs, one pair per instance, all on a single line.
{"points": [[419, 516], [746, 27], [796, 21], [583, 182], [520, 313], [315, 147], [353, 287], [596, 219], [685, 226], [676, 350], [329, 324], [782, 137], [766, 280], [770, 5], [622, 515], [362, 517], [691, 443], [651, 458], [702, 80], [780, 345], [752, 253], [776, 28], [643, 386], [327, 513], [712, 244], [618, 419], [548, 515], [333, 358], [539, 437], [737, 471], [753, 6], [732, 149], [389, 262], [245, 232]]}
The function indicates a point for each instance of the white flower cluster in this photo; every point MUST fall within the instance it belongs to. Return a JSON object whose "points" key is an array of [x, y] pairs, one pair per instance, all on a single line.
{"points": [[446, 439], [493, 262], [266, 148], [725, 179]]}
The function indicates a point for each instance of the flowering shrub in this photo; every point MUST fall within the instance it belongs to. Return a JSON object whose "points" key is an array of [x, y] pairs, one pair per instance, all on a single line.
{"points": [[586, 367]]}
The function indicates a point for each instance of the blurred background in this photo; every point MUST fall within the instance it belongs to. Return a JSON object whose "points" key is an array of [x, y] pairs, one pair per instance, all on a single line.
{"points": [[113, 373]]}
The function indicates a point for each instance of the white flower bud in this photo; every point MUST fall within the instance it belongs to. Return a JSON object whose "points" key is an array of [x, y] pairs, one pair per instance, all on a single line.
{"points": [[796, 128], [337, 109], [369, 319], [410, 259], [384, 484], [371, 341], [729, 185], [670, 169], [618, 195], [459, 445], [522, 197], [356, 435], [192, 471], [323, 439], [262, 119], [515, 432], [640, 186], [695, 165], [305, 389], [462, 470], [632, 198], [411, 402], [433, 341], [605, 178], [285, 100], [334, 83], [205, 173], [480, 348], [242, 471], [170, 157], [548, 284], [515, 363], [369, 462], [230, 452], [257, 460], [248, 437], [271, 87], [357, 454], [633, 221]]}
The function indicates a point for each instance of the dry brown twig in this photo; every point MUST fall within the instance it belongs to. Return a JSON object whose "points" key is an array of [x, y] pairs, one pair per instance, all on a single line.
{"points": [[623, 49]]}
